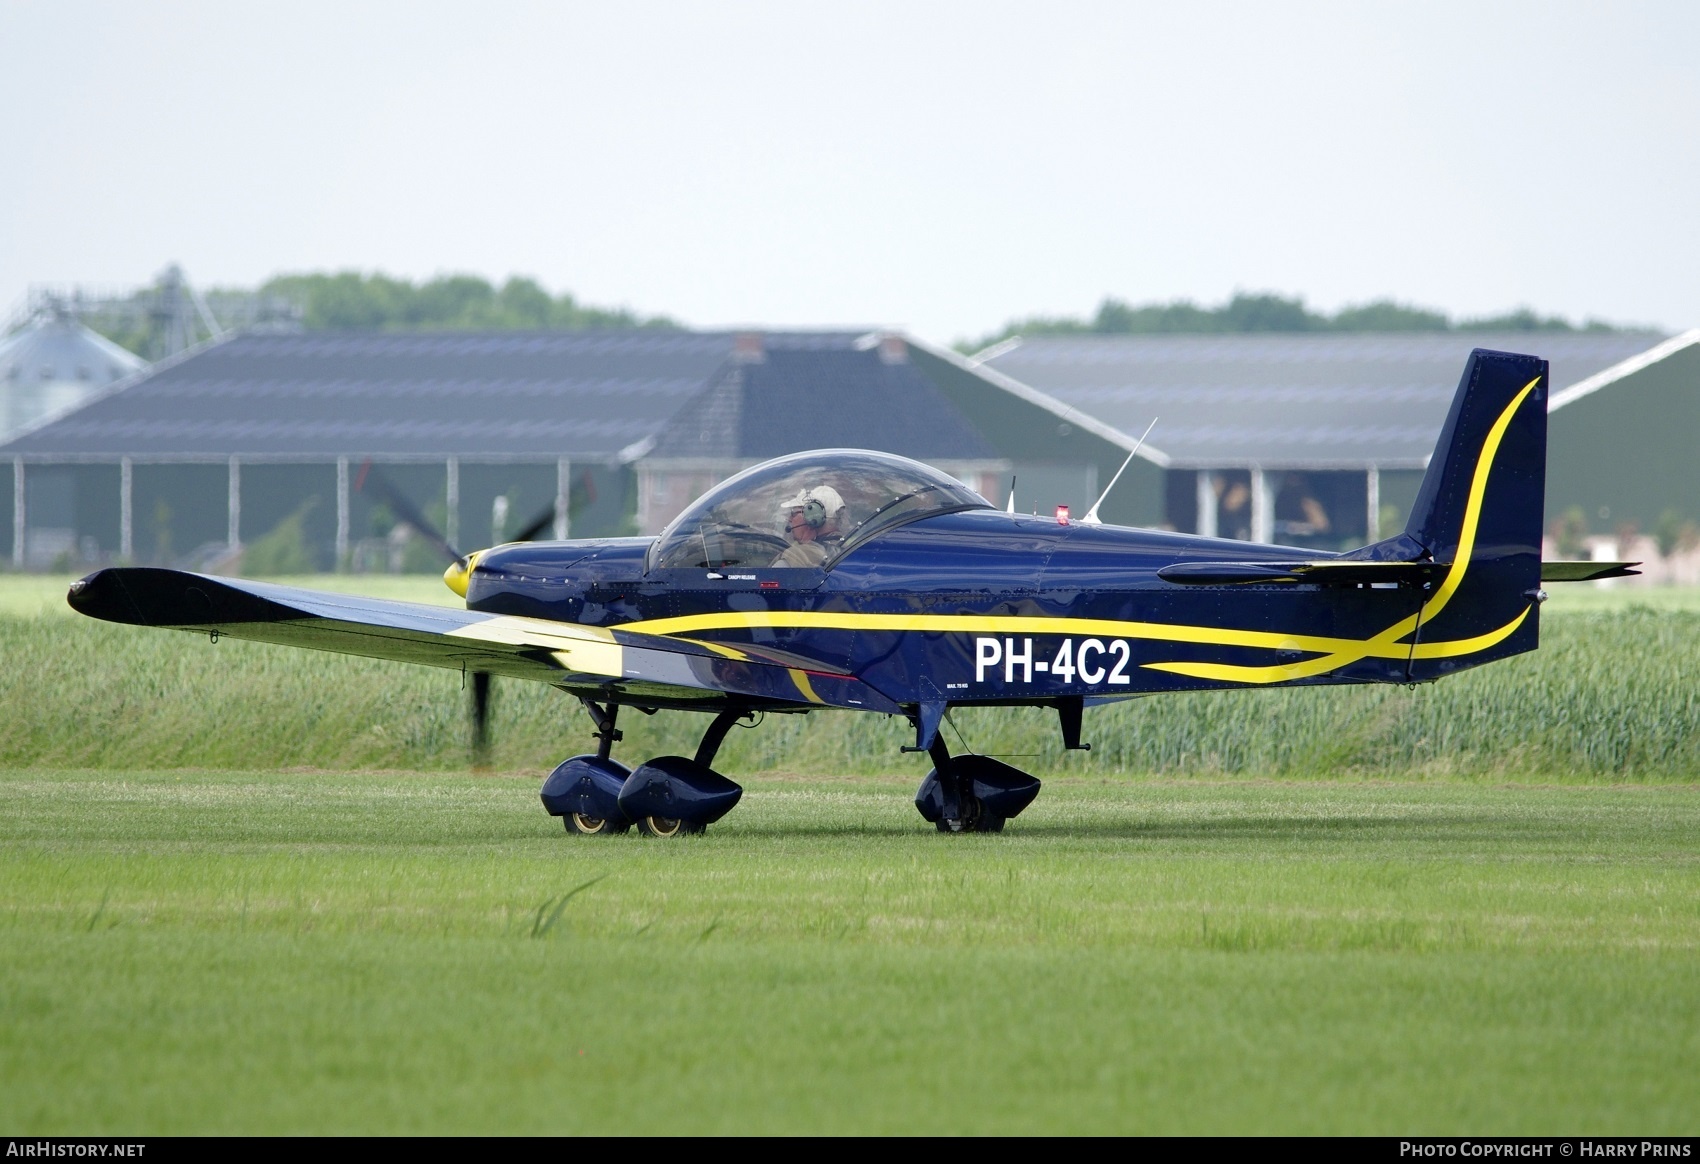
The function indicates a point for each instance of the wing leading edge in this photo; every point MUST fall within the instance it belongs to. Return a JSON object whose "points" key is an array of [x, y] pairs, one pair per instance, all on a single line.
{"points": [[583, 659]]}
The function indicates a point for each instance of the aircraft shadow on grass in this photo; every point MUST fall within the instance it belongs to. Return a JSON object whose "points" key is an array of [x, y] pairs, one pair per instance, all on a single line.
{"points": [[1440, 827]]}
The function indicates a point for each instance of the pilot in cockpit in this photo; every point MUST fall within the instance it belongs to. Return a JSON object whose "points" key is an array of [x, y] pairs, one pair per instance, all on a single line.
{"points": [[814, 526]]}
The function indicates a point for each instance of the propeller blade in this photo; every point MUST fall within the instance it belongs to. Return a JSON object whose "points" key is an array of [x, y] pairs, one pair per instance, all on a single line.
{"points": [[481, 719], [404, 509], [541, 522]]}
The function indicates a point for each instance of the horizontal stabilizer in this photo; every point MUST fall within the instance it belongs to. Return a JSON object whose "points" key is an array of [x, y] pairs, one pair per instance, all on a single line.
{"points": [[1342, 571], [1226, 573], [1586, 571], [1333, 572]]}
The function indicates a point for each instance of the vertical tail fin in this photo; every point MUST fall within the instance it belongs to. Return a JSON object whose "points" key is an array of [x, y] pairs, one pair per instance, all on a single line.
{"points": [[1485, 489], [1479, 512]]}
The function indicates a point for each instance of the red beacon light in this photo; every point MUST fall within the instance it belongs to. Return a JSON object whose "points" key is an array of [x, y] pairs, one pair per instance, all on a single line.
{"points": [[1062, 515]]}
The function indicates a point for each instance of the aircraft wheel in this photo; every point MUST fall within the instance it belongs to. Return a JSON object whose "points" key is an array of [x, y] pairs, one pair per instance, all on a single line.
{"points": [[592, 826], [974, 819], [666, 826]]}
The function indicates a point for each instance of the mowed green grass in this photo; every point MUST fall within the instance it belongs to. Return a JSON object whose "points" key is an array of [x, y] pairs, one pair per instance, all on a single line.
{"points": [[248, 889], [188, 951]]}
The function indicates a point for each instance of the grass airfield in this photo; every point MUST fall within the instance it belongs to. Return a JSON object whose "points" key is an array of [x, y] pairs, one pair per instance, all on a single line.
{"points": [[195, 952], [212, 946]]}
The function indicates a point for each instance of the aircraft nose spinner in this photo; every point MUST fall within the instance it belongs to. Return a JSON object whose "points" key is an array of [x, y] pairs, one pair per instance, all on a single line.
{"points": [[459, 573]]}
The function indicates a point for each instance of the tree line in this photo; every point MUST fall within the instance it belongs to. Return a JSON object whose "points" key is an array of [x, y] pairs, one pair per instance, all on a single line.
{"points": [[165, 316], [350, 300], [357, 301], [1268, 313]]}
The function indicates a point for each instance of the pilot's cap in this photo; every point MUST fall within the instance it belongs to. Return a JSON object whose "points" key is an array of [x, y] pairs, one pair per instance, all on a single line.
{"points": [[817, 504]]}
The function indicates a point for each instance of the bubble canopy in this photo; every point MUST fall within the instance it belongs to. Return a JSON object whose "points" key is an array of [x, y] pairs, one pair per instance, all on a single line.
{"points": [[844, 497]]}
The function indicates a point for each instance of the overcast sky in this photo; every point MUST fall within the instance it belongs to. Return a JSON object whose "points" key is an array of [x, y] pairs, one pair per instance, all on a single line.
{"points": [[940, 166]]}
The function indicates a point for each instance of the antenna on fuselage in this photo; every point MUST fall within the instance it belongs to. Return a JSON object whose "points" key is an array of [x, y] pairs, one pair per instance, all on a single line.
{"points": [[1091, 517], [1010, 507]]}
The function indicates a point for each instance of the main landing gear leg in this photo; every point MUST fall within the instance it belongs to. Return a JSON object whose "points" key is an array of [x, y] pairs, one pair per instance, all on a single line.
{"points": [[972, 794], [716, 735], [960, 811], [585, 790], [606, 734]]}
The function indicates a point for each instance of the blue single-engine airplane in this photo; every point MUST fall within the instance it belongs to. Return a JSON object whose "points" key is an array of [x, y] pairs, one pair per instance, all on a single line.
{"points": [[854, 580]]}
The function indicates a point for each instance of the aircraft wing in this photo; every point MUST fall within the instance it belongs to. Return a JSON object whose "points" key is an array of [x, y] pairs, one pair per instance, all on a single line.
{"points": [[588, 660]]}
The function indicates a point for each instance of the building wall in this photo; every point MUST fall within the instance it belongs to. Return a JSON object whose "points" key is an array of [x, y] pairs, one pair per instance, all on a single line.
{"points": [[1626, 453], [1325, 509], [74, 509], [51, 505], [180, 508], [603, 500], [665, 490], [1398, 493], [271, 494], [1041, 486], [599, 499], [176, 509]]}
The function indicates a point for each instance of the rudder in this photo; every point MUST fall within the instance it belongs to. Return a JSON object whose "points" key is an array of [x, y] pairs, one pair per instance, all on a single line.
{"points": [[1480, 510], [1495, 442]]}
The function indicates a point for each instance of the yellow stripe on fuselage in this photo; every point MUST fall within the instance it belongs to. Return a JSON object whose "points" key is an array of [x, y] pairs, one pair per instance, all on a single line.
{"points": [[1329, 653], [984, 624], [1388, 643], [1473, 509]]}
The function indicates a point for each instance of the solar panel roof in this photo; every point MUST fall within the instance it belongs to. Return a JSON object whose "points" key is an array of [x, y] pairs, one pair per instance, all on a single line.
{"points": [[520, 395], [517, 394], [1288, 401], [811, 392]]}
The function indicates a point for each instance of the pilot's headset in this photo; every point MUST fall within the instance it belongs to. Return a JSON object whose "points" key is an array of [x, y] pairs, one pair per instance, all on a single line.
{"points": [[822, 505], [817, 505]]}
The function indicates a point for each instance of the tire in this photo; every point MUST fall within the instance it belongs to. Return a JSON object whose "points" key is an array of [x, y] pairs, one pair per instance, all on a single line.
{"points": [[666, 826], [974, 819], [592, 826]]}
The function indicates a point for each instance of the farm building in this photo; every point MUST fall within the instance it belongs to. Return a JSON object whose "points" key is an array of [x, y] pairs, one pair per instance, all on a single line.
{"points": [[1622, 441], [238, 443], [1321, 439], [51, 364]]}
